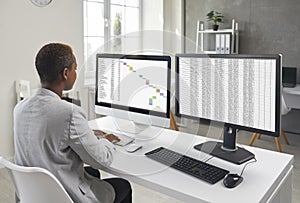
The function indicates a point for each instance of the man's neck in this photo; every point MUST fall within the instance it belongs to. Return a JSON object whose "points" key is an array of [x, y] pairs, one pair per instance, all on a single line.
{"points": [[57, 89]]}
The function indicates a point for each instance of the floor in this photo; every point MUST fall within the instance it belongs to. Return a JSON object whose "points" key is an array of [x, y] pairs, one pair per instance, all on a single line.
{"points": [[142, 194]]}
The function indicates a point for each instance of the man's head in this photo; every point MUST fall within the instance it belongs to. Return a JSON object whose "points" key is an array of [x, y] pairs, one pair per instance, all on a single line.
{"points": [[56, 63]]}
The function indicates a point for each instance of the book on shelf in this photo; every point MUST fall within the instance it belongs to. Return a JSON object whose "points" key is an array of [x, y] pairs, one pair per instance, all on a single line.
{"points": [[227, 44], [218, 43], [222, 43]]}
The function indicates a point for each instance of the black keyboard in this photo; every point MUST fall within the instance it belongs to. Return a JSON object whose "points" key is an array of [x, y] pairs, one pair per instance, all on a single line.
{"points": [[191, 166]]}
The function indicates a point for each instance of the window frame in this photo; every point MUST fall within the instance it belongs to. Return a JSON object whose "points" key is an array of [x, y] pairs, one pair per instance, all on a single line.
{"points": [[89, 64]]}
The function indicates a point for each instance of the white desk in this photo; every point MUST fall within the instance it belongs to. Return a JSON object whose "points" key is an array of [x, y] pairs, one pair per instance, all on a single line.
{"points": [[292, 96], [267, 180]]}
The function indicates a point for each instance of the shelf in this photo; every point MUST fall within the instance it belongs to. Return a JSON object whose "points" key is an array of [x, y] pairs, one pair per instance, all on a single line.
{"points": [[226, 41], [209, 52], [211, 31]]}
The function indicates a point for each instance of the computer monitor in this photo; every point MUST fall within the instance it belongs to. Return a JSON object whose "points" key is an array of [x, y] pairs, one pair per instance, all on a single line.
{"points": [[134, 88], [236, 91], [289, 76]]}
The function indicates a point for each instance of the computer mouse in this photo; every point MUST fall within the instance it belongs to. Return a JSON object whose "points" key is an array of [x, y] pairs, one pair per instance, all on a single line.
{"points": [[133, 147], [232, 180]]}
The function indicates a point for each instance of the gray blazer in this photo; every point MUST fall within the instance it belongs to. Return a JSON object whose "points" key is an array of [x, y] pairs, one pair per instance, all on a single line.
{"points": [[54, 134]]}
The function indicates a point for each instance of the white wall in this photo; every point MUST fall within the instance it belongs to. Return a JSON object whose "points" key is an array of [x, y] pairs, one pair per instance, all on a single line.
{"points": [[24, 28], [152, 26], [152, 15], [162, 25], [173, 26]]}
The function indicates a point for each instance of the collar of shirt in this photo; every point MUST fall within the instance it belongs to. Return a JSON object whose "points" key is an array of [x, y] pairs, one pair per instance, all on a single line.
{"points": [[44, 91]]}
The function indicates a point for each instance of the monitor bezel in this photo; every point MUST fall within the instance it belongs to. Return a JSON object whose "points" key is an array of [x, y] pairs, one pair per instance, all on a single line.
{"points": [[278, 87], [130, 108]]}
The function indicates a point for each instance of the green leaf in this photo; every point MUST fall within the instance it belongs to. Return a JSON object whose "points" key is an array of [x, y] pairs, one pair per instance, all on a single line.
{"points": [[215, 16]]}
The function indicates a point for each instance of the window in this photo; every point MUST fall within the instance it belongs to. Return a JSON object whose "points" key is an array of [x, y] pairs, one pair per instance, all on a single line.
{"points": [[109, 26]]}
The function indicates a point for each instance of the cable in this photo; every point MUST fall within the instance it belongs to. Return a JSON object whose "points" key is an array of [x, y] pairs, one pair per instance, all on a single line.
{"points": [[244, 165], [242, 147], [208, 159], [247, 164]]}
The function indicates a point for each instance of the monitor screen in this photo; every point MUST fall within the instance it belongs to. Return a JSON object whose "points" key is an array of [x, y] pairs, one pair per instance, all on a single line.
{"points": [[134, 87], [238, 91]]}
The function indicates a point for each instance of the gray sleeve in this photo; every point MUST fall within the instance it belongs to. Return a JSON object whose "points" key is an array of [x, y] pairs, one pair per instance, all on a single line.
{"points": [[82, 140]]}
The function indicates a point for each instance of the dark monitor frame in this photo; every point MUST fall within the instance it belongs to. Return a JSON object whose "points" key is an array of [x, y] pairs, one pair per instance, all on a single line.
{"points": [[129, 108], [227, 149]]}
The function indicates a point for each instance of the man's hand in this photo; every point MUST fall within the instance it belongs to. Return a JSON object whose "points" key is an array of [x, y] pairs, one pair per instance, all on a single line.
{"points": [[110, 137], [99, 134]]}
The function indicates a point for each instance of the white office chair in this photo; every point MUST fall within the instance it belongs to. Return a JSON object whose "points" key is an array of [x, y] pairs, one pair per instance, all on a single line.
{"points": [[35, 185]]}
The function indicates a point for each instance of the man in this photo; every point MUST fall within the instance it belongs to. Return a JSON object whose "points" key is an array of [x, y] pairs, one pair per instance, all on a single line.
{"points": [[54, 134]]}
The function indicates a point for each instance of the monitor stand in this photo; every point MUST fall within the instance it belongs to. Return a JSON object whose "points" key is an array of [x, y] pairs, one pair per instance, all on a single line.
{"points": [[130, 126], [226, 150]]}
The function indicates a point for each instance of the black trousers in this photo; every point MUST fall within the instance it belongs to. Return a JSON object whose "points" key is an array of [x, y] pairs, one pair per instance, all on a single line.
{"points": [[121, 186]]}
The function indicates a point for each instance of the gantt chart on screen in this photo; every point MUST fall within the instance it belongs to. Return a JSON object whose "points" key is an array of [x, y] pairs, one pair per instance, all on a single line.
{"points": [[134, 83]]}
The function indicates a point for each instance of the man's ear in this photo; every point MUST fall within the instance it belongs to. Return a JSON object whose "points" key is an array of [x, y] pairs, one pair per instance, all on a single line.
{"points": [[65, 73]]}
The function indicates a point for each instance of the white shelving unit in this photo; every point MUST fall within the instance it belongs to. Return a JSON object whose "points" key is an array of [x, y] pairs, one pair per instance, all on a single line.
{"points": [[233, 32]]}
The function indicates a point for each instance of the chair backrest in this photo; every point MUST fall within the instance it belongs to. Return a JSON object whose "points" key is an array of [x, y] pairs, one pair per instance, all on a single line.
{"points": [[35, 185]]}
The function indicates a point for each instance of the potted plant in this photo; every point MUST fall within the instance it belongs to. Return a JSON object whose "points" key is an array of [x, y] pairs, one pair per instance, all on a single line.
{"points": [[117, 32], [216, 17]]}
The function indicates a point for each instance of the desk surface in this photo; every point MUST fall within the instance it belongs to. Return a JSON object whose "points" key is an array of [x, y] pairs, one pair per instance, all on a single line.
{"points": [[292, 96], [260, 178], [293, 90]]}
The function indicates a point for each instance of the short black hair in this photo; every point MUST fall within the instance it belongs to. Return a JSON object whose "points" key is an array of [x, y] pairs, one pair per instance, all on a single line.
{"points": [[52, 59]]}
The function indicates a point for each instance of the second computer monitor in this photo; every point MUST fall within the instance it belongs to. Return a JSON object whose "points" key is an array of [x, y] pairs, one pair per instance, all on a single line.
{"points": [[237, 91]]}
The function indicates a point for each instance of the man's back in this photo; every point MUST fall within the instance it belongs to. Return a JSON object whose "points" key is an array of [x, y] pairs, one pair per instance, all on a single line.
{"points": [[53, 134], [39, 123]]}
